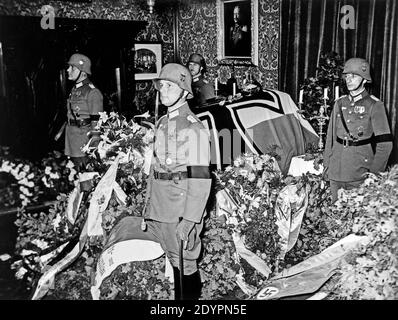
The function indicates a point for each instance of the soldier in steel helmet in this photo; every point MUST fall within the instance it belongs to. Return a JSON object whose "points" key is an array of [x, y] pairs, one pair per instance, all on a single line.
{"points": [[83, 106], [178, 185], [359, 138], [202, 89]]}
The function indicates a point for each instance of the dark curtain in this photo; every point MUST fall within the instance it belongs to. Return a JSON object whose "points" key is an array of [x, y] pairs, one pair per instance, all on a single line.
{"points": [[312, 27]]}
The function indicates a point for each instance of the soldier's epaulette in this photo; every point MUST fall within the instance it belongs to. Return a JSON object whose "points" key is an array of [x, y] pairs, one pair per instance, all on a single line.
{"points": [[91, 86], [374, 98], [205, 81], [192, 119], [341, 97]]}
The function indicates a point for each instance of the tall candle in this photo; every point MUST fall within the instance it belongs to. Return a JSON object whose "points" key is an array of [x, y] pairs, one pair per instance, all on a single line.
{"points": [[234, 89], [118, 87], [325, 93], [301, 96], [336, 92], [216, 84]]}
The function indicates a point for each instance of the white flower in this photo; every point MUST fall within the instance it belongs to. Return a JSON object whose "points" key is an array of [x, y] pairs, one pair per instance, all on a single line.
{"points": [[23, 181], [25, 201], [30, 176], [136, 127], [40, 243], [70, 164], [56, 221], [256, 202], [20, 273], [45, 182], [243, 172], [25, 252], [54, 175], [6, 167], [148, 137], [21, 175], [47, 170], [26, 168], [103, 117], [72, 173], [5, 257], [236, 163], [251, 177]]}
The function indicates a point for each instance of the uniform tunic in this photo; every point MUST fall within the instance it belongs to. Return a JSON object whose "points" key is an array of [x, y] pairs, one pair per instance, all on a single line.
{"points": [[181, 149], [84, 100], [202, 91], [365, 116]]}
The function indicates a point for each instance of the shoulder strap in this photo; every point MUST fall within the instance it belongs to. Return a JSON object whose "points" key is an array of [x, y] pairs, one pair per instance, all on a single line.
{"points": [[344, 124]]}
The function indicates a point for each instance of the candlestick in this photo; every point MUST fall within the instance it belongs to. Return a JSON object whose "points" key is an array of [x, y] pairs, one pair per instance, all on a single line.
{"points": [[216, 84], [336, 92], [301, 96], [321, 119], [234, 89]]}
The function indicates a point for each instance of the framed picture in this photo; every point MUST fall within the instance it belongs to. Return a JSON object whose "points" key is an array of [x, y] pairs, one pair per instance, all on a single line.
{"points": [[237, 23], [147, 60]]}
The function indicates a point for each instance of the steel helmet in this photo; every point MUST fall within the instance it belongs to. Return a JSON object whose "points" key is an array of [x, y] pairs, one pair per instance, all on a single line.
{"points": [[81, 62], [359, 67], [197, 58], [178, 74]]}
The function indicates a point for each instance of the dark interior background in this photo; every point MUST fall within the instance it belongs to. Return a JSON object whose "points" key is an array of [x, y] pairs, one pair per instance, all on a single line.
{"points": [[33, 108]]}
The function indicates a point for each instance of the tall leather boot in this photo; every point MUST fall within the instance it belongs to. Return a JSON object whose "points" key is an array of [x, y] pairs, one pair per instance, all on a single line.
{"points": [[177, 287], [192, 286]]}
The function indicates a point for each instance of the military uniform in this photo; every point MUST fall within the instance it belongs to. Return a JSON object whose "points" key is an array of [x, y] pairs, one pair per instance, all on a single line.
{"points": [[178, 186], [84, 102], [180, 180], [202, 91], [348, 155]]}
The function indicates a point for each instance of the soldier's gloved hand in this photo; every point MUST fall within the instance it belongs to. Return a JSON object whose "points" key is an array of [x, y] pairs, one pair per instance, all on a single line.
{"points": [[183, 231]]}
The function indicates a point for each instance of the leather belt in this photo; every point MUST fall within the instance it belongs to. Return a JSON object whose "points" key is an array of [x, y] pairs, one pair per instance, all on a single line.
{"points": [[79, 123], [347, 142], [170, 175]]}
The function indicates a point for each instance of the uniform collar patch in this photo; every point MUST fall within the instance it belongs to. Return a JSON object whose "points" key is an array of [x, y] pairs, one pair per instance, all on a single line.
{"points": [[195, 79], [171, 109], [191, 119], [173, 114]]}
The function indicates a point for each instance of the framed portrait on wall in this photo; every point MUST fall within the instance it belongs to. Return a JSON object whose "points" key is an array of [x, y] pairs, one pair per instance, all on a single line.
{"points": [[237, 24], [147, 60]]}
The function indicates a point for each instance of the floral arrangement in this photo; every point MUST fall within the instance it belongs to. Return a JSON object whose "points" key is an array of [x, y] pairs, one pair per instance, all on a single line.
{"points": [[371, 271], [254, 183], [43, 232], [27, 183]]}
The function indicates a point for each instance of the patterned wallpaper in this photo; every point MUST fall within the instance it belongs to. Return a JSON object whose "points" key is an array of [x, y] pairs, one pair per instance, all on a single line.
{"points": [[160, 24], [197, 32]]}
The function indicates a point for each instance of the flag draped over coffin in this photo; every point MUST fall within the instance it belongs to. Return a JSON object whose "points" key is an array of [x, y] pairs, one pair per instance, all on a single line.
{"points": [[267, 118]]}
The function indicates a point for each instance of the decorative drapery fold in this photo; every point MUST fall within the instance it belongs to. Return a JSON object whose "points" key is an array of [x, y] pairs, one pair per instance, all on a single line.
{"points": [[312, 27]]}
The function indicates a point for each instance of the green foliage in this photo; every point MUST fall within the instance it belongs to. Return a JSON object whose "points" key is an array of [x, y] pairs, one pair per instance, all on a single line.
{"points": [[371, 272], [254, 183], [218, 265], [328, 76]]}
